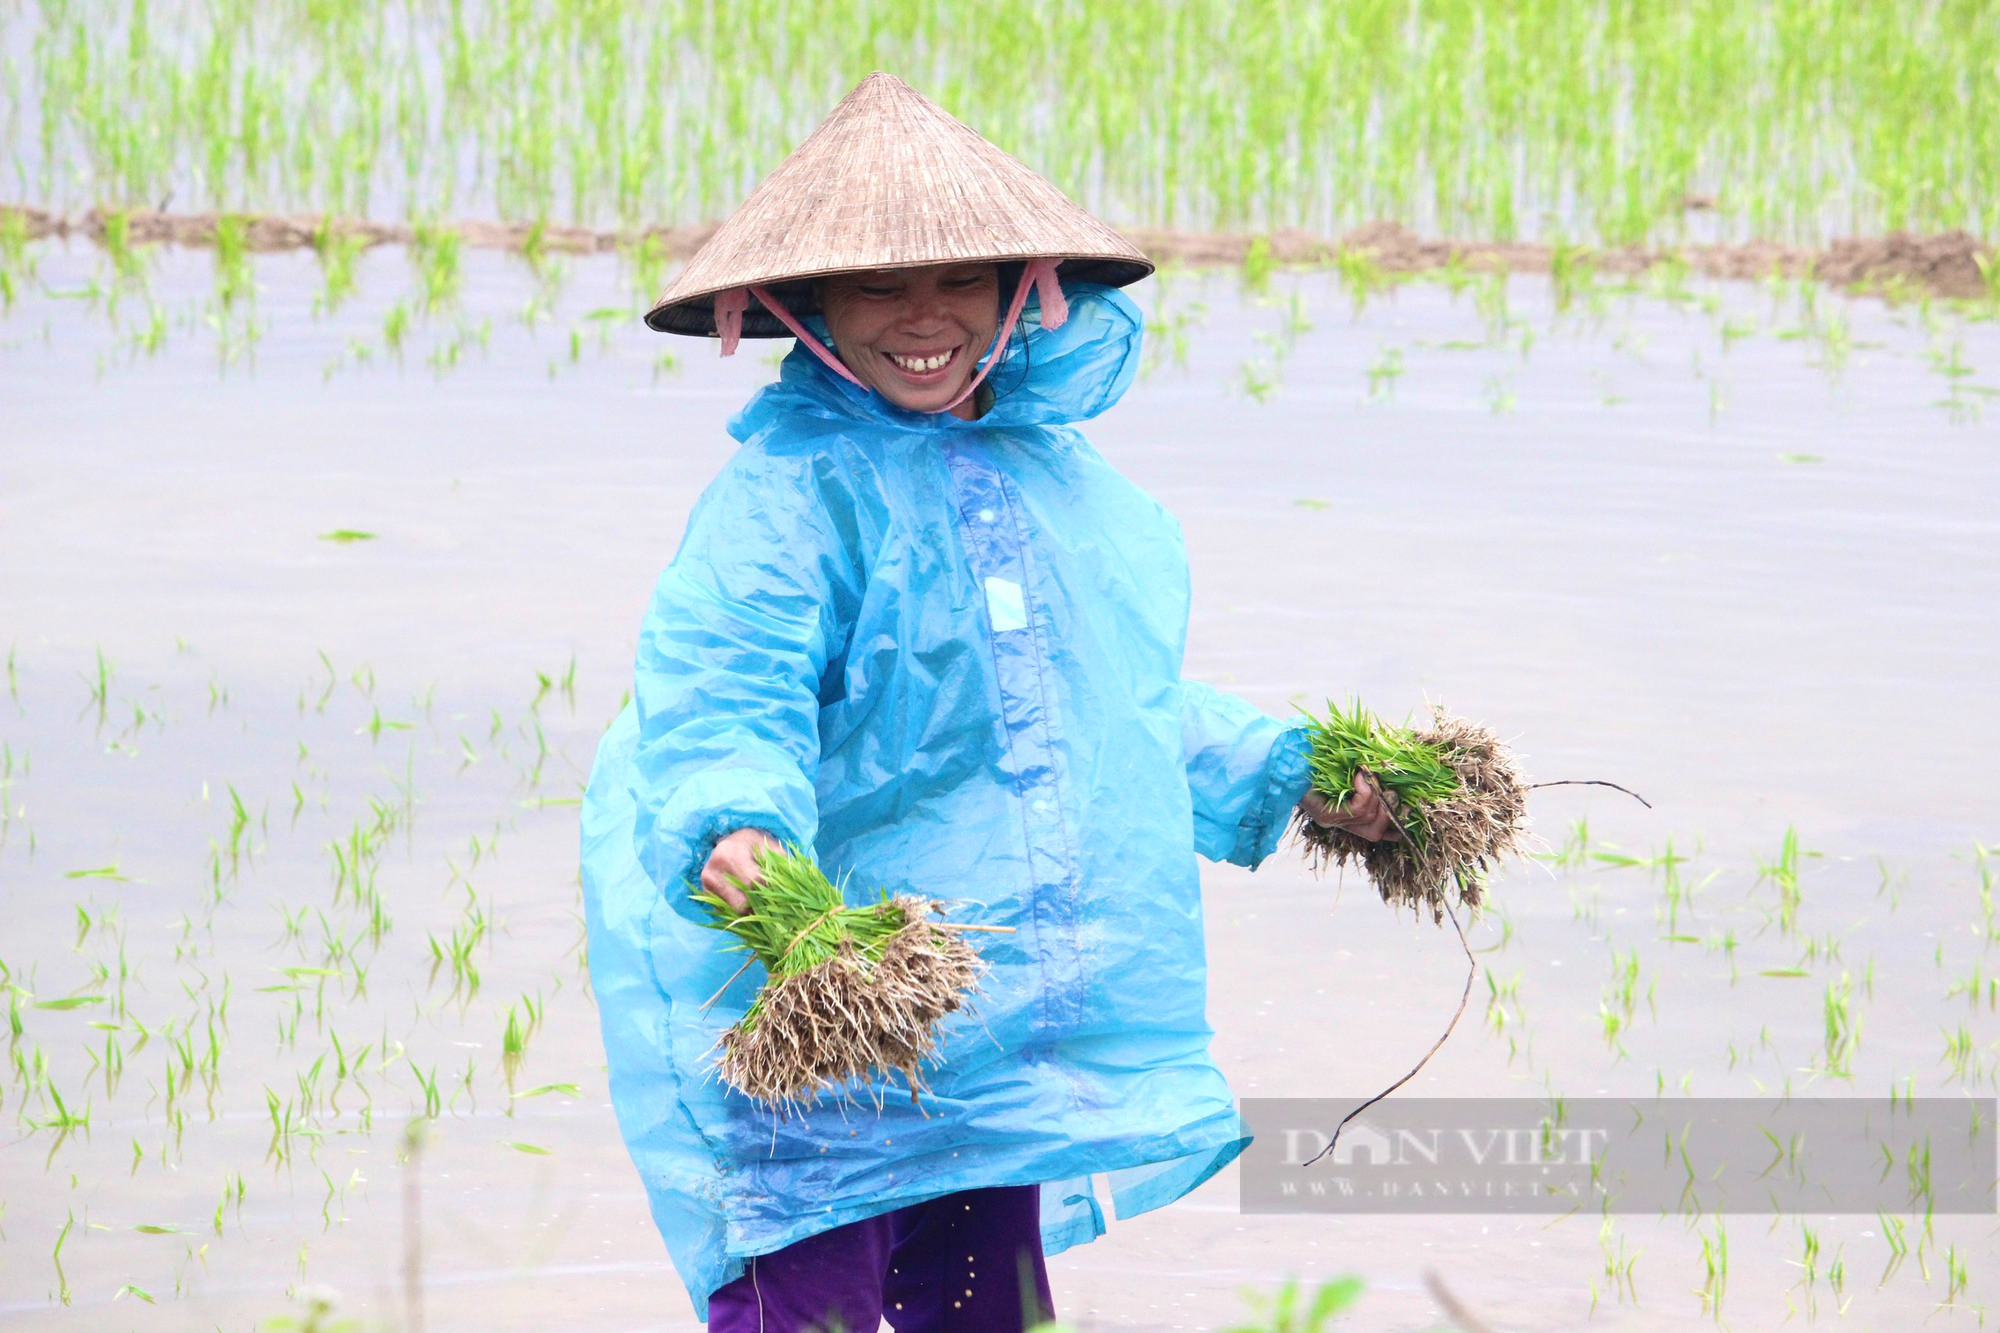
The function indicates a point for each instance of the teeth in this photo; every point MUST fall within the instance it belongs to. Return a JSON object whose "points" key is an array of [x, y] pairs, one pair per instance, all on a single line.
{"points": [[919, 364]]}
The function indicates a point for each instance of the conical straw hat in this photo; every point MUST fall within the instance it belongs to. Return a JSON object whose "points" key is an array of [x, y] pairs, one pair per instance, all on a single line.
{"points": [[889, 180]]}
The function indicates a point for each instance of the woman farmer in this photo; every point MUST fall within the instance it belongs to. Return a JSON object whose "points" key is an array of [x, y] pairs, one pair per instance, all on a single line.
{"points": [[919, 626]]}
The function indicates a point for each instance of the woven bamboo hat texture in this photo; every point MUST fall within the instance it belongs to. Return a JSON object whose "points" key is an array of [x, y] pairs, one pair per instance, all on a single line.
{"points": [[889, 180]]}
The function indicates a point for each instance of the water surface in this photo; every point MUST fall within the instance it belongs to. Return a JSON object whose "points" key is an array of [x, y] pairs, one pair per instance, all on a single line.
{"points": [[1736, 552]]}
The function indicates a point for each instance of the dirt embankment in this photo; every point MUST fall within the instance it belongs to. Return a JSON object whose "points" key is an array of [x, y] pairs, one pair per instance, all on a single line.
{"points": [[272, 231], [1949, 264]]}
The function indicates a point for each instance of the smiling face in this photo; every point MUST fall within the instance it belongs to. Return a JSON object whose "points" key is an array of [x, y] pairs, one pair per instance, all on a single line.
{"points": [[915, 335]]}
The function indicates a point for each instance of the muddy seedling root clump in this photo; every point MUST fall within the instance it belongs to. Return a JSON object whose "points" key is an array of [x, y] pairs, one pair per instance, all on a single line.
{"points": [[1460, 804], [850, 992]]}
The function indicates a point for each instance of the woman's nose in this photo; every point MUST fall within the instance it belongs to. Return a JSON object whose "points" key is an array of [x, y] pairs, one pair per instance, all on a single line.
{"points": [[924, 307]]}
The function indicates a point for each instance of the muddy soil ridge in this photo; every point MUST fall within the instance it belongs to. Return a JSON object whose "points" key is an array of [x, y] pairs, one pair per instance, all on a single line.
{"points": [[1951, 264]]}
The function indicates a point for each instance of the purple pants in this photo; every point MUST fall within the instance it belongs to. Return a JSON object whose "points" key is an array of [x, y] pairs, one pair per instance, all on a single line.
{"points": [[959, 1264]]}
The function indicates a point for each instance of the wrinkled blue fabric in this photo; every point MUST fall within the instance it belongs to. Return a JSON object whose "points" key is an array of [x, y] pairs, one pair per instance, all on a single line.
{"points": [[946, 655]]}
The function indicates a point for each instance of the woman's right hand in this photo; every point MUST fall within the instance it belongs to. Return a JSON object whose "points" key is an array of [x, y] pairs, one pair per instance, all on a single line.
{"points": [[735, 859], [1369, 813]]}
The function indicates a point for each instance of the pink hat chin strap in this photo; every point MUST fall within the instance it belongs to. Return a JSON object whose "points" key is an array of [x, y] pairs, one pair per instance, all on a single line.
{"points": [[1040, 274]]}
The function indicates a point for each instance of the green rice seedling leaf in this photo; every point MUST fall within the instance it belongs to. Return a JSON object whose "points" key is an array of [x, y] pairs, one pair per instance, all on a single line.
{"points": [[97, 872], [533, 1148], [1332, 1298], [64, 1120], [1458, 801], [435, 252], [849, 990], [338, 252], [1783, 873], [68, 1002], [1988, 264], [1382, 376], [1290, 1309], [563, 1089], [129, 1290], [1784, 972], [1346, 742], [152, 1229], [344, 536], [1258, 264], [233, 277], [798, 918]]}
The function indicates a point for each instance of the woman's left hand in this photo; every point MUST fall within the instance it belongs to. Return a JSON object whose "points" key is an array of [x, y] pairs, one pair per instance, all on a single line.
{"points": [[1366, 814]]}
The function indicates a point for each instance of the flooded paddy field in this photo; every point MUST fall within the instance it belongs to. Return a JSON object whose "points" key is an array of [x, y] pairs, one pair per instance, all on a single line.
{"points": [[316, 598]]}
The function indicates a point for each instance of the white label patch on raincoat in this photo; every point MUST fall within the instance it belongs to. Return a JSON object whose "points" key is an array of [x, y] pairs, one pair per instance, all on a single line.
{"points": [[1005, 605]]}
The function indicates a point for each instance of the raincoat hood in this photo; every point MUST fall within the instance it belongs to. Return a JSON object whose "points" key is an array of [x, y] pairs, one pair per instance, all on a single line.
{"points": [[1045, 377], [945, 656]]}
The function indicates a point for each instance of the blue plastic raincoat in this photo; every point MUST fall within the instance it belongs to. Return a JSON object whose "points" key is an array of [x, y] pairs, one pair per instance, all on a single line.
{"points": [[946, 655]]}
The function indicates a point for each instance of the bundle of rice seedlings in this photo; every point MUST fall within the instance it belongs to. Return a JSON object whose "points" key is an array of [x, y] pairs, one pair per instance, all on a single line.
{"points": [[1459, 802], [849, 991]]}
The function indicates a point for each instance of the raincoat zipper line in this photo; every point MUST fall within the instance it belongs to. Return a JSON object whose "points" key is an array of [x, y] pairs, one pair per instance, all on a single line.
{"points": [[997, 551], [1072, 895]]}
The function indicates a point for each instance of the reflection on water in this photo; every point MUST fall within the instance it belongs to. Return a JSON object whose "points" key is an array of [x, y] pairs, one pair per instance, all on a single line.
{"points": [[288, 845]]}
